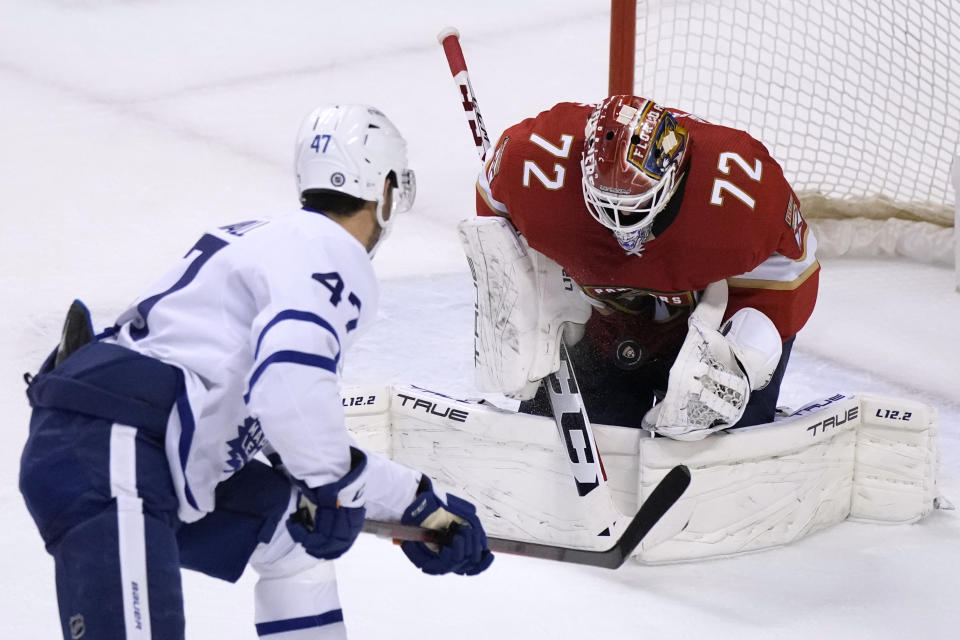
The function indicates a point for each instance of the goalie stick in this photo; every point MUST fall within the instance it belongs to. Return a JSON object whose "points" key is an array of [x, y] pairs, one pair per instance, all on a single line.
{"points": [[566, 402], [663, 496], [449, 38]]}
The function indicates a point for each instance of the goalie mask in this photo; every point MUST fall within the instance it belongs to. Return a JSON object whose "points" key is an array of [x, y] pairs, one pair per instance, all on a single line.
{"points": [[355, 149], [633, 157]]}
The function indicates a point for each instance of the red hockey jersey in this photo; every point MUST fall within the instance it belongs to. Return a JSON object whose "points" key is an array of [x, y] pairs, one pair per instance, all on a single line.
{"points": [[737, 219]]}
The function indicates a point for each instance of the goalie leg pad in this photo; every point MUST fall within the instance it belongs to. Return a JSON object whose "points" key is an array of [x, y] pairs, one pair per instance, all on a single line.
{"points": [[756, 487], [864, 457], [514, 467], [895, 479], [867, 457]]}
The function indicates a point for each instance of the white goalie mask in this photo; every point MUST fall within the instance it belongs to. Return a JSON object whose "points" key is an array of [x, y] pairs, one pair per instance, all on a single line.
{"points": [[354, 149], [634, 154]]}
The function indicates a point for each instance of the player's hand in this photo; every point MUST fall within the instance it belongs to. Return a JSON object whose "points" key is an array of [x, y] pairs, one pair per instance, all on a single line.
{"points": [[329, 518], [463, 549]]}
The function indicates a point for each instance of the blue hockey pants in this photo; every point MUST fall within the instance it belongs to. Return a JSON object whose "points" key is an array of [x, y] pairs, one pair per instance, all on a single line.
{"points": [[95, 477]]}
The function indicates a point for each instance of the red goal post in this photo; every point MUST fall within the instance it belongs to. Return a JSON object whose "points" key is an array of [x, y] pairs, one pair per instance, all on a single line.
{"points": [[859, 100], [623, 31]]}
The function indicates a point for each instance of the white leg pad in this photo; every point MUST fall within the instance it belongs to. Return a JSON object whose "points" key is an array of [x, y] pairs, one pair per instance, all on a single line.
{"points": [[895, 479], [754, 488], [512, 466], [865, 457]]}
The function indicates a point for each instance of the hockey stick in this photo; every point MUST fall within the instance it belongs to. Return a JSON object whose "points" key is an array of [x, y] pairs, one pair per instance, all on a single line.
{"points": [[663, 496], [566, 402], [449, 38]]}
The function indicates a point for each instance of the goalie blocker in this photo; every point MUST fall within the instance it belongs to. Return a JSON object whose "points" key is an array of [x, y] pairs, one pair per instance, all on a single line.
{"points": [[525, 304], [864, 457]]}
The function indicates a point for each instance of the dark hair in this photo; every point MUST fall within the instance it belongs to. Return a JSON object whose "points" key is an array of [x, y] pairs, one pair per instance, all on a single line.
{"points": [[327, 201]]}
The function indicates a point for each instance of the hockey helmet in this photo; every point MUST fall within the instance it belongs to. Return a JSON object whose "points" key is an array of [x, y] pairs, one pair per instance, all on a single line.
{"points": [[354, 149], [634, 154]]}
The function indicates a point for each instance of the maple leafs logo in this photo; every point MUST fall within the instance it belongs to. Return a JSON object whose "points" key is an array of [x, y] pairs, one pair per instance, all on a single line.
{"points": [[248, 442]]}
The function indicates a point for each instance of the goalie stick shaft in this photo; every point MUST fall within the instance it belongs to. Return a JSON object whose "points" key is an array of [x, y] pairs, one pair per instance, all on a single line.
{"points": [[570, 414], [450, 39], [663, 496]]}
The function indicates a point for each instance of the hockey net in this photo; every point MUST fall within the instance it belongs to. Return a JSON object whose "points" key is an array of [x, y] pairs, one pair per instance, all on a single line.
{"points": [[859, 100]]}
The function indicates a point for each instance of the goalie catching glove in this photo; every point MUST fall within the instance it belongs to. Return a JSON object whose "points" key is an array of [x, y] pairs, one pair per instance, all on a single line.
{"points": [[329, 518], [463, 548], [711, 380]]}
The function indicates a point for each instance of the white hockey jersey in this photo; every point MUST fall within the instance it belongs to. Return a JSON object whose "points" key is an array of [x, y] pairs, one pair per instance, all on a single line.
{"points": [[258, 316]]}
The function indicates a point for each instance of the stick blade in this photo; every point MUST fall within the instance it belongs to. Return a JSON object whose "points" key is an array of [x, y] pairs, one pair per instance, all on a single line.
{"points": [[660, 500], [663, 496]]}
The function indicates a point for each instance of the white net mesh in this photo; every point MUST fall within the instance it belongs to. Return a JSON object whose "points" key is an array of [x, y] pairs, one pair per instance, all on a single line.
{"points": [[859, 100]]}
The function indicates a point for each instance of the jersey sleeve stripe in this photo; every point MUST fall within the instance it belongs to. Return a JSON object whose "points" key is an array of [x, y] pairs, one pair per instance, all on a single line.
{"points": [[187, 428], [780, 272], [294, 357], [293, 314], [780, 285], [483, 188]]}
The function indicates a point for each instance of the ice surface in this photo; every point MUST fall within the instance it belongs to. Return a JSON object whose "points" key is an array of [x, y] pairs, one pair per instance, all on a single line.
{"points": [[127, 127]]}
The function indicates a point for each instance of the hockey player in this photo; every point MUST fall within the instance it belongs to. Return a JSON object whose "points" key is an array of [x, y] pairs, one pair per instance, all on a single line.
{"points": [[141, 446], [644, 207]]}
